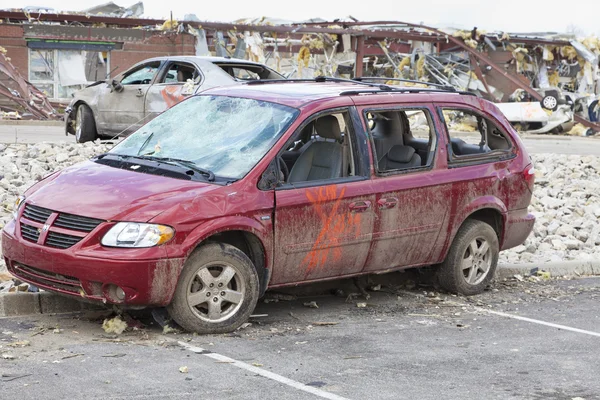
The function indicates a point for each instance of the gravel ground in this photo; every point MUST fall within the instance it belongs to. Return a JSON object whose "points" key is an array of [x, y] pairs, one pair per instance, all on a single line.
{"points": [[566, 201]]}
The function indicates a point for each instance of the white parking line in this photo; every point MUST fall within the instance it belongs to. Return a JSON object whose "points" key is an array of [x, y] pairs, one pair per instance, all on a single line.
{"points": [[259, 371], [537, 321], [518, 317]]}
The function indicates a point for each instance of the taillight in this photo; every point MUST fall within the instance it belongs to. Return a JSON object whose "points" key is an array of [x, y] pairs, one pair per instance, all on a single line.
{"points": [[529, 173]]}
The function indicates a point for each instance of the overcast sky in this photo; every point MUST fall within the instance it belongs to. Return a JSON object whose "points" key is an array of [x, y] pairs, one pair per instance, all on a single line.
{"points": [[504, 15]]}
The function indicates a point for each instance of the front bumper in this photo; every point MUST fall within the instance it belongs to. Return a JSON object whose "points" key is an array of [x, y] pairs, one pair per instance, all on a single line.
{"points": [[518, 225], [146, 276]]}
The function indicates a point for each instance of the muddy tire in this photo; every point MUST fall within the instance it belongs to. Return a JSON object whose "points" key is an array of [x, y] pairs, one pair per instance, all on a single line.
{"points": [[85, 126], [471, 262], [217, 290]]}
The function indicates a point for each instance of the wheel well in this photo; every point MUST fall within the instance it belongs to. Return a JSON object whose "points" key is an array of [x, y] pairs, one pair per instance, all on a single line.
{"points": [[251, 245], [74, 113], [491, 217]]}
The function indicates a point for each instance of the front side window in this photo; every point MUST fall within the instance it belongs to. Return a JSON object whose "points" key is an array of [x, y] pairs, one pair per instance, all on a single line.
{"points": [[472, 135], [323, 149], [142, 75], [225, 135]]}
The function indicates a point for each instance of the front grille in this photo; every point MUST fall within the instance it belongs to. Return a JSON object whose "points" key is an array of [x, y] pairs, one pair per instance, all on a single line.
{"points": [[61, 240], [30, 233], [35, 213], [77, 223], [71, 222], [47, 278]]}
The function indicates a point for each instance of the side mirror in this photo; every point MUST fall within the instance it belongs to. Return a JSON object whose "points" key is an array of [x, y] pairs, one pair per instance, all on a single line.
{"points": [[116, 86]]}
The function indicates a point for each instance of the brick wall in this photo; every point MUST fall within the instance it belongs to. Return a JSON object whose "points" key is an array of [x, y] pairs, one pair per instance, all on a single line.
{"points": [[152, 44], [157, 45], [11, 38]]}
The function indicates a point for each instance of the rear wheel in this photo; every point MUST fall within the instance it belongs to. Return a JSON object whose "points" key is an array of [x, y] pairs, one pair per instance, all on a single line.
{"points": [[217, 290], [471, 262], [85, 126]]}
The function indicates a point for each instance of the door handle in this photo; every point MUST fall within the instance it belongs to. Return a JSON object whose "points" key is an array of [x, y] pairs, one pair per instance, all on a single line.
{"points": [[389, 202], [140, 92], [360, 206]]}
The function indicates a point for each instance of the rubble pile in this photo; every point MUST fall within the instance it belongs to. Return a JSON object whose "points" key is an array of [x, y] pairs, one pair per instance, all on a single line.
{"points": [[566, 200], [566, 204]]}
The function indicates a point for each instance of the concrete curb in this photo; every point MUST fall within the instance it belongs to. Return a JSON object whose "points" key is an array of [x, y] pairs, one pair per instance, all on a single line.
{"points": [[26, 303], [561, 268], [31, 123]]}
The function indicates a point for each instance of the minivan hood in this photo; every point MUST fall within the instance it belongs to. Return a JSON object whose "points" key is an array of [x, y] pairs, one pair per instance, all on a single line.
{"points": [[99, 191]]}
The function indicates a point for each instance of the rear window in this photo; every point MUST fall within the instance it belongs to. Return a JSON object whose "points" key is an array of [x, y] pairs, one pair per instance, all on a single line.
{"points": [[473, 135], [248, 72]]}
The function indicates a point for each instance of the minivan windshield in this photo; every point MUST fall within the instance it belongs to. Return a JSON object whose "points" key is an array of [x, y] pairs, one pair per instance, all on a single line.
{"points": [[226, 136]]}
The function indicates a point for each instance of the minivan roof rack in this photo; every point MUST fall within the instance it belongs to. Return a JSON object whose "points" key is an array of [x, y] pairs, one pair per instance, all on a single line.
{"points": [[383, 78], [373, 86]]}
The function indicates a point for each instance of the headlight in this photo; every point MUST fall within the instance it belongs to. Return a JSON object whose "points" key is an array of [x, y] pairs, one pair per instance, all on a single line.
{"points": [[133, 234], [19, 202]]}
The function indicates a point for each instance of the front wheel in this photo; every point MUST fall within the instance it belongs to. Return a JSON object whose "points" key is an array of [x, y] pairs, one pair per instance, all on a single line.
{"points": [[471, 262], [85, 126], [217, 290]]}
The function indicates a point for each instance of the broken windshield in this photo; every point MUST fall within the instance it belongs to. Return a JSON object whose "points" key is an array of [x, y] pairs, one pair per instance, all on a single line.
{"points": [[224, 135]]}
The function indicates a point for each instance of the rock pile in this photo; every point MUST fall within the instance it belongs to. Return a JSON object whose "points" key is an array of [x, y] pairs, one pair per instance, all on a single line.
{"points": [[566, 200], [567, 206]]}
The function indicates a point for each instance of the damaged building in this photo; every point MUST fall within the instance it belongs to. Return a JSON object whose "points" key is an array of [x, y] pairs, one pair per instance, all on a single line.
{"points": [[60, 53]]}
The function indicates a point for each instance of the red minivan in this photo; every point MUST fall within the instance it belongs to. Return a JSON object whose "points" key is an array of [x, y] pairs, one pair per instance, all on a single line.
{"points": [[272, 184]]}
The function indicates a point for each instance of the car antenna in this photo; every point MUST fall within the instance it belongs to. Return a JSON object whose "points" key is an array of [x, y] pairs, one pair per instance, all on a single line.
{"points": [[113, 70]]}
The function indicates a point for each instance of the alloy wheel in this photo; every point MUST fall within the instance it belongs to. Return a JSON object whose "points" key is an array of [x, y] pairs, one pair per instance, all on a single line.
{"points": [[216, 292], [476, 261]]}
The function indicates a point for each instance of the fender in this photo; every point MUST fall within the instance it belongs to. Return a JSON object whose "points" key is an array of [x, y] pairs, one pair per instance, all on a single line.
{"points": [[480, 203], [263, 231]]}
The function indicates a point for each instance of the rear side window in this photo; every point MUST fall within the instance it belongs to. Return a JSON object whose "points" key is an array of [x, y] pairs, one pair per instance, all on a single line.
{"points": [[180, 73], [473, 136], [402, 140]]}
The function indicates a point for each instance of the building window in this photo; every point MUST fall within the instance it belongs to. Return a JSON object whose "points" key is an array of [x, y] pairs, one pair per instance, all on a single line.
{"points": [[60, 73]]}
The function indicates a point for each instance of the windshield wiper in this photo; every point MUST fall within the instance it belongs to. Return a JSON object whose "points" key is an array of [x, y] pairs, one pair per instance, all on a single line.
{"points": [[182, 163], [168, 160]]}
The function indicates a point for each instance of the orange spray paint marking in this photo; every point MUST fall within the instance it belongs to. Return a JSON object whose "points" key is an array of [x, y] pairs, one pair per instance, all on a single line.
{"points": [[172, 95], [335, 225]]}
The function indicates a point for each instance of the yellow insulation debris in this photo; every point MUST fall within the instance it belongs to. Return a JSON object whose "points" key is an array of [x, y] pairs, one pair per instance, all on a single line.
{"points": [[553, 78], [548, 54], [168, 25], [421, 67], [592, 43], [568, 52], [578, 130], [115, 325], [471, 43], [304, 56], [404, 63]]}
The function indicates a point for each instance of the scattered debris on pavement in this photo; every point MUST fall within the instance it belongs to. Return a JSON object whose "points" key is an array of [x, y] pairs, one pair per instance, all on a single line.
{"points": [[115, 325], [311, 304]]}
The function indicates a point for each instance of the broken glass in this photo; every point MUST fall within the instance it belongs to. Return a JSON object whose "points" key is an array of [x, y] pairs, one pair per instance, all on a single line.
{"points": [[41, 65], [225, 135]]}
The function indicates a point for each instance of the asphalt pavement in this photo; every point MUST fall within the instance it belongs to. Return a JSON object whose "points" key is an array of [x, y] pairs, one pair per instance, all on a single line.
{"points": [[407, 342]]}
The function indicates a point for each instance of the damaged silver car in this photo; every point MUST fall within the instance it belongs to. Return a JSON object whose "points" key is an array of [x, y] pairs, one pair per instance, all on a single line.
{"points": [[119, 106]]}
